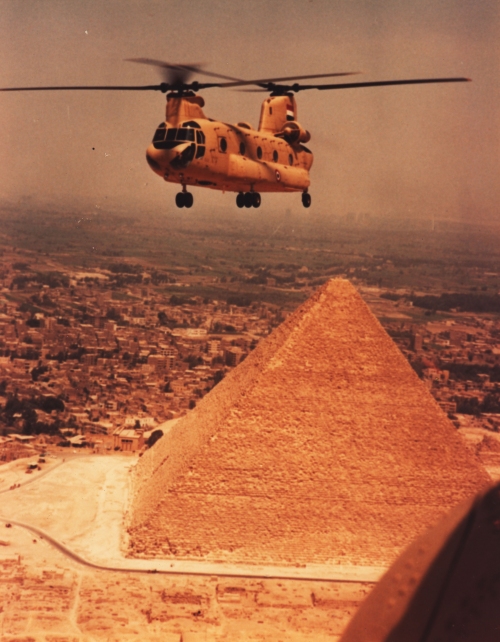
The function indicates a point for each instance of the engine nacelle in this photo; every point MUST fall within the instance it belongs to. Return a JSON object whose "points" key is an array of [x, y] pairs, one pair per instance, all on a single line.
{"points": [[293, 133]]}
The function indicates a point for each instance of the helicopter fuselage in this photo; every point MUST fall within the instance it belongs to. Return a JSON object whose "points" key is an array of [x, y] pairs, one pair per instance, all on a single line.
{"points": [[234, 158], [192, 150]]}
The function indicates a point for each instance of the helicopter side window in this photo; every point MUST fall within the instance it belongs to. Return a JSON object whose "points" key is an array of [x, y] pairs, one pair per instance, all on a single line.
{"points": [[185, 134], [222, 144], [259, 152], [275, 156], [242, 149]]}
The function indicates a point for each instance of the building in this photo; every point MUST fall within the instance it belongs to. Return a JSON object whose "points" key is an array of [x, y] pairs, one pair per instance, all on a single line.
{"points": [[128, 440]]}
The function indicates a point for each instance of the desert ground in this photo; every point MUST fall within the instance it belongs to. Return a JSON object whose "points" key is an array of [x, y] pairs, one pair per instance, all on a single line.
{"points": [[65, 578]]}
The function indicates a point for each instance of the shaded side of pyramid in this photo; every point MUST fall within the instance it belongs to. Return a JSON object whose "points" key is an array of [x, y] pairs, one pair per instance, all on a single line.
{"points": [[323, 445]]}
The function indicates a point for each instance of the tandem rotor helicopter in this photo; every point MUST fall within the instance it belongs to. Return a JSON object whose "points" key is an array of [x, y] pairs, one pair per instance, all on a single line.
{"points": [[190, 149]]}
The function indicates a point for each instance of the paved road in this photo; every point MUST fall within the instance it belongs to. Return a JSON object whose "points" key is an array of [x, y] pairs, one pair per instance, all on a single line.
{"points": [[116, 569]]}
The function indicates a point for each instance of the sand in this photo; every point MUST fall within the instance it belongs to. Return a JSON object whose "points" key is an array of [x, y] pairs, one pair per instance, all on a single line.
{"points": [[46, 596]]}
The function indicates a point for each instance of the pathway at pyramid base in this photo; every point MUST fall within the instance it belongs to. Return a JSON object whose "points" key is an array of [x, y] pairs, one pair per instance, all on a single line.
{"points": [[323, 446]]}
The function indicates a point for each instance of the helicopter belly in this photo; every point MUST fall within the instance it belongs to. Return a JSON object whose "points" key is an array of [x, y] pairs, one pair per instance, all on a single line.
{"points": [[266, 177], [296, 178], [245, 169]]}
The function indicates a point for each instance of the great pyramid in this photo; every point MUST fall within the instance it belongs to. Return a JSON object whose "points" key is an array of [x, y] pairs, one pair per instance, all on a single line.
{"points": [[323, 445]]}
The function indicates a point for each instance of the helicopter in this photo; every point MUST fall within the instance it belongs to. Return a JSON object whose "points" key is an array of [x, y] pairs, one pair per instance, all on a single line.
{"points": [[192, 150]]}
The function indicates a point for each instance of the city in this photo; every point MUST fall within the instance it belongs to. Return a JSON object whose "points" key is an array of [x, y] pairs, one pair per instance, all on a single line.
{"points": [[99, 352]]}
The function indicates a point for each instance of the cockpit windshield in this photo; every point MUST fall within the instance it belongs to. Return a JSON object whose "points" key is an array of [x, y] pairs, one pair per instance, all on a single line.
{"points": [[169, 137], [183, 133]]}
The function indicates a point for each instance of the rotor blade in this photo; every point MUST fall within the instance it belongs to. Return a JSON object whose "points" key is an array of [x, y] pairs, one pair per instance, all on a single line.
{"points": [[194, 68], [254, 91], [163, 87], [385, 83], [89, 87], [264, 81]]}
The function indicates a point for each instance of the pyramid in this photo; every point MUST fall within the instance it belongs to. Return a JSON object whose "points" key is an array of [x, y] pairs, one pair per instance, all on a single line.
{"points": [[322, 446]]}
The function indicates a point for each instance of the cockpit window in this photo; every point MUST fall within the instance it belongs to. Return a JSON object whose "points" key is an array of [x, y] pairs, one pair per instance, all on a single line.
{"points": [[169, 137], [159, 133], [185, 134], [191, 123]]}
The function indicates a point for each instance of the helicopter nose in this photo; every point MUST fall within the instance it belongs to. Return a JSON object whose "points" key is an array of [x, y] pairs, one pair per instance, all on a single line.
{"points": [[182, 155], [154, 158]]}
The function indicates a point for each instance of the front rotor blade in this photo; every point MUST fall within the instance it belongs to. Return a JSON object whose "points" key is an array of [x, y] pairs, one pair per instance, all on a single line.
{"points": [[191, 68], [90, 88]]}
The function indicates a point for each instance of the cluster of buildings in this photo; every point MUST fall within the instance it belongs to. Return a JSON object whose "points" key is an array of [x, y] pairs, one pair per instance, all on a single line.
{"points": [[81, 357], [459, 359], [111, 356]]}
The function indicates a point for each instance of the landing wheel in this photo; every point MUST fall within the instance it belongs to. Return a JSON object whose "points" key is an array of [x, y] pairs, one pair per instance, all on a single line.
{"points": [[306, 199], [188, 199], [179, 199], [248, 199], [184, 199], [240, 200], [256, 199]]}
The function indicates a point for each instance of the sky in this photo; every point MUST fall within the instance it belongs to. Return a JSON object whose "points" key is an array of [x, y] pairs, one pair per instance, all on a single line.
{"points": [[422, 151]]}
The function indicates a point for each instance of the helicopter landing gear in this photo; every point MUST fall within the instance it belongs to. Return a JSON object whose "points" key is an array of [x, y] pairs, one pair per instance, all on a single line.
{"points": [[184, 199], [248, 199], [256, 200], [306, 199]]}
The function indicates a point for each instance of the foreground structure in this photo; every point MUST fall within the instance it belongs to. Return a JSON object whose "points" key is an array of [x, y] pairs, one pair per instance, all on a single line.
{"points": [[322, 446]]}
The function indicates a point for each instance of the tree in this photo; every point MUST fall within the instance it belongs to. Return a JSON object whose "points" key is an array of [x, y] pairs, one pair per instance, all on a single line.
{"points": [[218, 377], [153, 438], [50, 403]]}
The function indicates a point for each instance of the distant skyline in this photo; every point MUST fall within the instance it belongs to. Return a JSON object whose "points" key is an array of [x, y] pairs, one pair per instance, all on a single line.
{"points": [[405, 151]]}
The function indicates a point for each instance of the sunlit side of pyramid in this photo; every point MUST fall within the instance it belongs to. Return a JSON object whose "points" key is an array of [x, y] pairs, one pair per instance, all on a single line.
{"points": [[323, 445]]}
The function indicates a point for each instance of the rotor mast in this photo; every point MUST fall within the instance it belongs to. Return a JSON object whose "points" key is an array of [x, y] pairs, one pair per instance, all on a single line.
{"points": [[183, 106]]}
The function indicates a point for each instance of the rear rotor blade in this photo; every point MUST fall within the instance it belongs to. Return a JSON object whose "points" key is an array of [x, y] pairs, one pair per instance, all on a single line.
{"points": [[385, 83], [265, 81]]}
